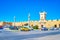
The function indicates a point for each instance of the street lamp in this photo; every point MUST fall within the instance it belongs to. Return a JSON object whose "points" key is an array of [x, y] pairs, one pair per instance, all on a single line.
{"points": [[14, 21], [29, 19]]}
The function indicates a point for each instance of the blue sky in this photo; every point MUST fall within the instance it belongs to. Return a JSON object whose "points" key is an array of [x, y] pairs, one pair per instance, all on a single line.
{"points": [[21, 8]]}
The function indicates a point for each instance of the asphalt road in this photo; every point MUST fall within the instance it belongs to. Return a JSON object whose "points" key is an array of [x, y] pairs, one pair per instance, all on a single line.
{"points": [[31, 35]]}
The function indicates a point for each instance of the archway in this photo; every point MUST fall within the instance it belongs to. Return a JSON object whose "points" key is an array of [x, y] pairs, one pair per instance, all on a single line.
{"points": [[59, 25], [55, 26], [42, 26]]}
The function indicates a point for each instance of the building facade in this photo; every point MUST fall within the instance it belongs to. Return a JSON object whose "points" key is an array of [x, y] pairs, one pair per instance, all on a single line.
{"points": [[41, 23]]}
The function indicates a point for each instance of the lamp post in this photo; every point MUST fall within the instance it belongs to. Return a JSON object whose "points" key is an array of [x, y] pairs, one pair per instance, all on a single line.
{"points": [[14, 21], [29, 19]]}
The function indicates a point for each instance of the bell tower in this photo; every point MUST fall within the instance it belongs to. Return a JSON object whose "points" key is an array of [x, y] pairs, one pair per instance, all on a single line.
{"points": [[42, 16]]}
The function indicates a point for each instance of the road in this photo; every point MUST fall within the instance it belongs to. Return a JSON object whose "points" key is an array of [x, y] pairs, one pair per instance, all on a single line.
{"points": [[31, 35]]}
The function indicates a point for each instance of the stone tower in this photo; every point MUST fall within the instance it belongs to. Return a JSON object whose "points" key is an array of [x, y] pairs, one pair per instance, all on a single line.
{"points": [[42, 18]]}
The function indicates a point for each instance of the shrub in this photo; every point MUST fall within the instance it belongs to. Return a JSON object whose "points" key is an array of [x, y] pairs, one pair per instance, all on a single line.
{"points": [[35, 27]]}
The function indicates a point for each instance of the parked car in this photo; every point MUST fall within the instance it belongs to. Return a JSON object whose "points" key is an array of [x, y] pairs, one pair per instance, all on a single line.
{"points": [[1, 27], [25, 29], [13, 28], [53, 28], [44, 29]]}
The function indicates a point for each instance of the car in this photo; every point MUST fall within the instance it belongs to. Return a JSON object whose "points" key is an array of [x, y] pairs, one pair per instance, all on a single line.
{"points": [[25, 29], [44, 29], [54, 28], [1, 27], [13, 28]]}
